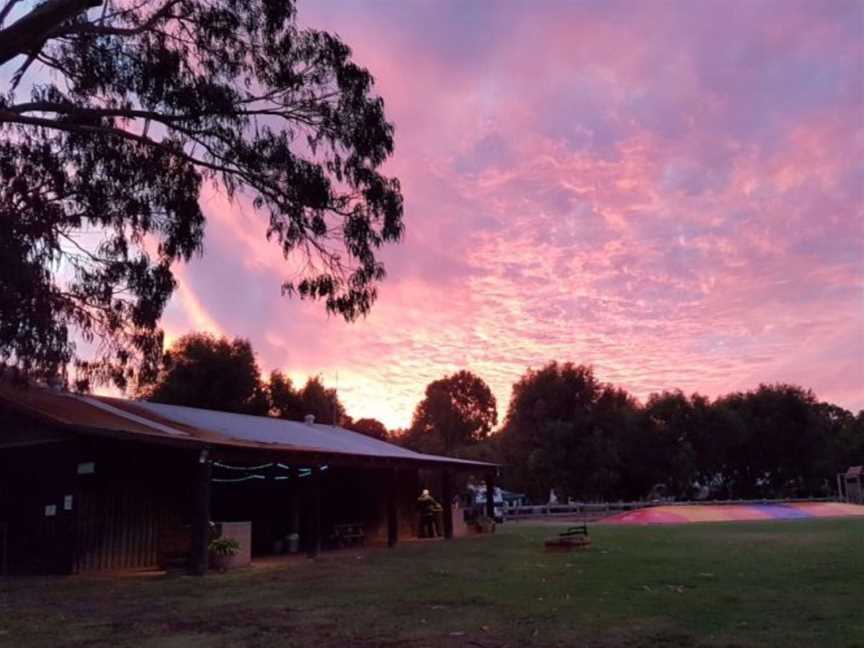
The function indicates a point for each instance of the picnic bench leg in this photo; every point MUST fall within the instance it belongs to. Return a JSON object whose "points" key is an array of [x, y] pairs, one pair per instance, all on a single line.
{"points": [[392, 509], [315, 513], [447, 503]]}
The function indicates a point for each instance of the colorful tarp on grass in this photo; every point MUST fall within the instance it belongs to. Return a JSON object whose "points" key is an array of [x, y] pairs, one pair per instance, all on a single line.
{"points": [[735, 512]]}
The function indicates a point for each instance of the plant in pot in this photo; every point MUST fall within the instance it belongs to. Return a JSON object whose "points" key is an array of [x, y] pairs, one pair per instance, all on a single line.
{"points": [[221, 552]]}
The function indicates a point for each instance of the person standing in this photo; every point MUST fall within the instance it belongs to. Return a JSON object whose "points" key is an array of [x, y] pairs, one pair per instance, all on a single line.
{"points": [[428, 510]]}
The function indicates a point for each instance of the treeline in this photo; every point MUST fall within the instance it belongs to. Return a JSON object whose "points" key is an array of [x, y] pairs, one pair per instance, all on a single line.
{"points": [[564, 428], [593, 441]]}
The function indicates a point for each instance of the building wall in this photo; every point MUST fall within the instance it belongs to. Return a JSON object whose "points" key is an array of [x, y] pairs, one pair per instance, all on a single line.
{"points": [[78, 503], [135, 507], [34, 484], [86, 504]]}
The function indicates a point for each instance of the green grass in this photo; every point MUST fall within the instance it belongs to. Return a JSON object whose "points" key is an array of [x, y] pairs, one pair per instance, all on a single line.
{"points": [[796, 583]]}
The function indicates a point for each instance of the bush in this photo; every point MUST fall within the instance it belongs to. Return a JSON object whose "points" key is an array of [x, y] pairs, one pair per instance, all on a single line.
{"points": [[224, 547]]}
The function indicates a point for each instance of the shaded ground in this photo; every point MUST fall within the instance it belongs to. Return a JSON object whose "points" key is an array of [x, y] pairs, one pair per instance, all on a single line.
{"points": [[794, 583]]}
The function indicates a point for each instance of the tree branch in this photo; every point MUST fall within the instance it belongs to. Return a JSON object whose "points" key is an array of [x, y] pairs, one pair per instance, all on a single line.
{"points": [[5, 11], [28, 34], [101, 30]]}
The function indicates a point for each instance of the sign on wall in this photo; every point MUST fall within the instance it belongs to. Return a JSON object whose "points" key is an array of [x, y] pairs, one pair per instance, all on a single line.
{"points": [[87, 468]]}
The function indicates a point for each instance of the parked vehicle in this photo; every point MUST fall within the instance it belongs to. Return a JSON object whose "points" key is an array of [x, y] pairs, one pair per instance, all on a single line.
{"points": [[477, 501]]}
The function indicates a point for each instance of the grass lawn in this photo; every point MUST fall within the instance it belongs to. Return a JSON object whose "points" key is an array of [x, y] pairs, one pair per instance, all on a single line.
{"points": [[794, 583]]}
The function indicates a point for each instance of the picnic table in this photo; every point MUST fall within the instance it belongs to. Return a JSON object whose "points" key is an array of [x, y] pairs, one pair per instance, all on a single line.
{"points": [[574, 538], [348, 534]]}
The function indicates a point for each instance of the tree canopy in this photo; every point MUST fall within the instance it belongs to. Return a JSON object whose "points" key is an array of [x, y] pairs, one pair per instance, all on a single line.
{"points": [[555, 435], [285, 401], [370, 427], [200, 370], [102, 165], [590, 440], [456, 411], [322, 402]]}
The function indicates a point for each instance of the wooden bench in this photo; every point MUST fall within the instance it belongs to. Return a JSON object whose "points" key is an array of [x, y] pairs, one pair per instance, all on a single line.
{"points": [[579, 530], [574, 538], [348, 535]]}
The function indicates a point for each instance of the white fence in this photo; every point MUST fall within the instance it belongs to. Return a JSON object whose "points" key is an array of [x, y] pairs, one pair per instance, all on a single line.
{"points": [[599, 508]]}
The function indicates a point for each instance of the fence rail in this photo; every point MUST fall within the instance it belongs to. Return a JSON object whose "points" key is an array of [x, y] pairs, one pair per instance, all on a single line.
{"points": [[595, 508]]}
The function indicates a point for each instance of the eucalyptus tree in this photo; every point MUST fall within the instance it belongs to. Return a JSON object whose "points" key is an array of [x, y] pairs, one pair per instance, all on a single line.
{"points": [[458, 410], [115, 115]]}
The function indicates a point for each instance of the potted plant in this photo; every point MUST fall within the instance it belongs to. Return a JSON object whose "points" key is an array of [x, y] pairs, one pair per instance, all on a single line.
{"points": [[221, 552]]}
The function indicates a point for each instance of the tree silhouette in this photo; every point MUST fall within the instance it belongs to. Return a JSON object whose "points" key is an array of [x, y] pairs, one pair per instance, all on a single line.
{"points": [[148, 101], [314, 398], [285, 401], [457, 410], [370, 427], [200, 370], [322, 402], [589, 440]]}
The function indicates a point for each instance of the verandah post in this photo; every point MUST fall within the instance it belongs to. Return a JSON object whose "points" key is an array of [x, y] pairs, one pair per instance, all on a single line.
{"points": [[490, 495], [392, 508], [447, 502], [201, 514], [315, 513]]}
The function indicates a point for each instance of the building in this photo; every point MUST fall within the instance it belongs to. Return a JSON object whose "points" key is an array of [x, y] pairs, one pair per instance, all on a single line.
{"points": [[91, 482], [851, 485]]}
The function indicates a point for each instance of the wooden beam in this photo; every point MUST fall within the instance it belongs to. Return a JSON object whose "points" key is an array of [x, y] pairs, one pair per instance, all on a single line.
{"points": [[294, 501], [200, 514], [76, 508], [314, 544], [392, 508], [447, 503]]}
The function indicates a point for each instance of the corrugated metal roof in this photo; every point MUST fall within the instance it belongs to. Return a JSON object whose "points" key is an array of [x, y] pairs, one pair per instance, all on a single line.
{"points": [[207, 427], [75, 411]]}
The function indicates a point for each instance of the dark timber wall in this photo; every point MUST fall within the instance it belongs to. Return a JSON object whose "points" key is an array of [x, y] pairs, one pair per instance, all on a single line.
{"points": [[82, 503], [136, 497]]}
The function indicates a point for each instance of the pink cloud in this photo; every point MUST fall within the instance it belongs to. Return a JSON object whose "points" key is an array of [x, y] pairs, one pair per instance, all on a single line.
{"points": [[670, 192]]}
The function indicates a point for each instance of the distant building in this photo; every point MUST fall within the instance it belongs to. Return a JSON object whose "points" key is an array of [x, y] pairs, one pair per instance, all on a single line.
{"points": [[851, 485]]}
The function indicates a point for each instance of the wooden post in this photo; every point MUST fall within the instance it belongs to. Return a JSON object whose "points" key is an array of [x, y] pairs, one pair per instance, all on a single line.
{"points": [[392, 508], [447, 503], [201, 514], [314, 547], [66, 513], [490, 495], [294, 501]]}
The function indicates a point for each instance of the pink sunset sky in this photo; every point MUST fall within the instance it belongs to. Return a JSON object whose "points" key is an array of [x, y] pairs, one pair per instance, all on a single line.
{"points": [[669, 191]]}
